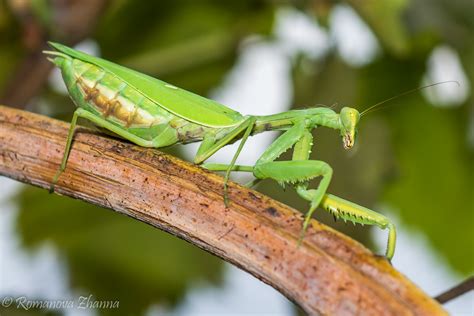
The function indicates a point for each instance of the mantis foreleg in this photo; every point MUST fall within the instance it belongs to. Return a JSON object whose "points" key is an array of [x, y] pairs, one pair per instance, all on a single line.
{"points": [[347, 210], [337, 206], [298, 171]]}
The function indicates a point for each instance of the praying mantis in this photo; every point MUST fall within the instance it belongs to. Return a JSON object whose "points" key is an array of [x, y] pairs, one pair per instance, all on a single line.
{"points": [[153, 113]]}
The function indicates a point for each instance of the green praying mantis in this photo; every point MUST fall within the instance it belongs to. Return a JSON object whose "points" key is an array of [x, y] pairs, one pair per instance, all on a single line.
{"points": [[153, 113]]}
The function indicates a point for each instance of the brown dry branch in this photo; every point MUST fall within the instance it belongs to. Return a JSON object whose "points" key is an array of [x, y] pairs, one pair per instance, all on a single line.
{"points": [[458, 290], [329, 274]]}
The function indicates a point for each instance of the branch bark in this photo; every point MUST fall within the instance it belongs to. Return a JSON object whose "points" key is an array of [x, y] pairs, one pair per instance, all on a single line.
{"points": [[329, 274]]}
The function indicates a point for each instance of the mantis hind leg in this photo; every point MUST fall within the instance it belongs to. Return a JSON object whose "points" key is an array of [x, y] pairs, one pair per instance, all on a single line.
{"points": [[156, 142], [70, 135]]}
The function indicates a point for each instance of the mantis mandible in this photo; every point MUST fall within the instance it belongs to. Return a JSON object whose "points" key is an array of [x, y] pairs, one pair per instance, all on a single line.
{"points": [[153, 113]]}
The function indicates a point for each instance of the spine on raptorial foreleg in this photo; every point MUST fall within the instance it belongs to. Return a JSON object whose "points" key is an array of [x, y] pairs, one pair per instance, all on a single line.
{"points": [[349, 211]]}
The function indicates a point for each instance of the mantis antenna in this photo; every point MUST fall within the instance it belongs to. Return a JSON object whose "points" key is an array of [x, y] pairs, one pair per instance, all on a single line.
{"points": [[371, 108]]}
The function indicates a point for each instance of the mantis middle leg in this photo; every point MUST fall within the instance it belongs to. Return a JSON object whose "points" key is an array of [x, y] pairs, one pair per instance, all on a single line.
{"points": [[209, 146]]}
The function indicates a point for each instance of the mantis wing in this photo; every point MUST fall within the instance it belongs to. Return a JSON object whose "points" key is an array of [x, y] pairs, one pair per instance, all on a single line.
{"points": [[180, 102]]}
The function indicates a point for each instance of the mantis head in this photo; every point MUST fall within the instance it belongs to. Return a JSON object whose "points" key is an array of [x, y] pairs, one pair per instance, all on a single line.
{"points": [[349, 119]]}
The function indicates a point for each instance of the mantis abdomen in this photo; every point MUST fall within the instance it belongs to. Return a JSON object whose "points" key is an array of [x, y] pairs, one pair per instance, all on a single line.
{"points": [[105, 95]]}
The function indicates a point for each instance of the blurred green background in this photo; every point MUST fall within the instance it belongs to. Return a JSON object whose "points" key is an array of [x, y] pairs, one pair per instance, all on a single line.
{"points": [[413, 160]]}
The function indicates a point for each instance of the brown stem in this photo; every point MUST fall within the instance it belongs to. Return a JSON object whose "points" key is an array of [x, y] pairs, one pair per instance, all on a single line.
{"points": [[329, 274], [458, 290]]}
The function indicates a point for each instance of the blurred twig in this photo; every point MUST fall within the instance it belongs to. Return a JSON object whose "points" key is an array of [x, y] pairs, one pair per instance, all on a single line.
{"points": [[458, 290], [70, 22], [329, 274]]}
